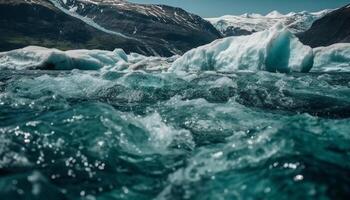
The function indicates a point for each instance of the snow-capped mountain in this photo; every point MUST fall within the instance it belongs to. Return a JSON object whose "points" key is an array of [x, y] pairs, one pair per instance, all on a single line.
{"points": [[104, 24], [231, 25], [330, 29]]}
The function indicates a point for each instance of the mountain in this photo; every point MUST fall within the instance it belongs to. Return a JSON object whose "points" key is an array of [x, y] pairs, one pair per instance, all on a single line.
{"points": [[231, 25], [330, 29], [102, 24], [39, 22]]}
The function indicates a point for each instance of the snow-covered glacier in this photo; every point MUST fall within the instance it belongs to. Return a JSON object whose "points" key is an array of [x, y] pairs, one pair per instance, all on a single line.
{"points": [[273, 50], [230, 25]]}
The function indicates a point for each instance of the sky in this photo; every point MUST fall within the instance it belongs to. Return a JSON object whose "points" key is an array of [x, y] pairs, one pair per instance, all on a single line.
{"points": [[216, 8]]}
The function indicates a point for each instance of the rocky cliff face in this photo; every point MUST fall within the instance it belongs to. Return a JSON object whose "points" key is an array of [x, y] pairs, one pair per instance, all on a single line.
{"points": [[103, 24], [330, 29], [39, 22]]}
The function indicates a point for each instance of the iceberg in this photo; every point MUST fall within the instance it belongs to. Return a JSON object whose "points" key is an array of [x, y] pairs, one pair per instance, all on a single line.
{"points": [[273, 50], [332, 58], [34, 57]]}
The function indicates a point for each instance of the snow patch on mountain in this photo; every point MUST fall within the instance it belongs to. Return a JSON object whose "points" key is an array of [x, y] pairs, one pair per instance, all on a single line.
{"points": [[72, 12]]}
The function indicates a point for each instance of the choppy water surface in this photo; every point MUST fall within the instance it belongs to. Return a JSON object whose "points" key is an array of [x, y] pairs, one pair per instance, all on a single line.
{"points": [[94, 135]]}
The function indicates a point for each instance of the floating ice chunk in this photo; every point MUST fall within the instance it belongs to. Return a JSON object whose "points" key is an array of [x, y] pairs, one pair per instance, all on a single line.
{"points": [[151, 63], [34, 57], [332, 58], [274, 50]]}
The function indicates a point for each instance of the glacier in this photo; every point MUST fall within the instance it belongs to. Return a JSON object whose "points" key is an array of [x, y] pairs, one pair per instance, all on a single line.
{"points": [[273, 50], [251, 22]]}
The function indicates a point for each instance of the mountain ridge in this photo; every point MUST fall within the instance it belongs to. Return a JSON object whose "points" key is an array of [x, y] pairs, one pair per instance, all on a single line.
{"points": [[330, 29], [248, 23], [134, 27]]}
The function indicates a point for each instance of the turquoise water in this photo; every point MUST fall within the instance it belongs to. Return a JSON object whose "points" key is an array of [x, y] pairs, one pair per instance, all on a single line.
{"points": [[95, 135]]}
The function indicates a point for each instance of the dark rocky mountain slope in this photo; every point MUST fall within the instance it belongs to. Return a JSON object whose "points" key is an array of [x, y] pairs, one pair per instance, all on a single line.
{"points": [[101, 24], [38, 22], [330, 29]]}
